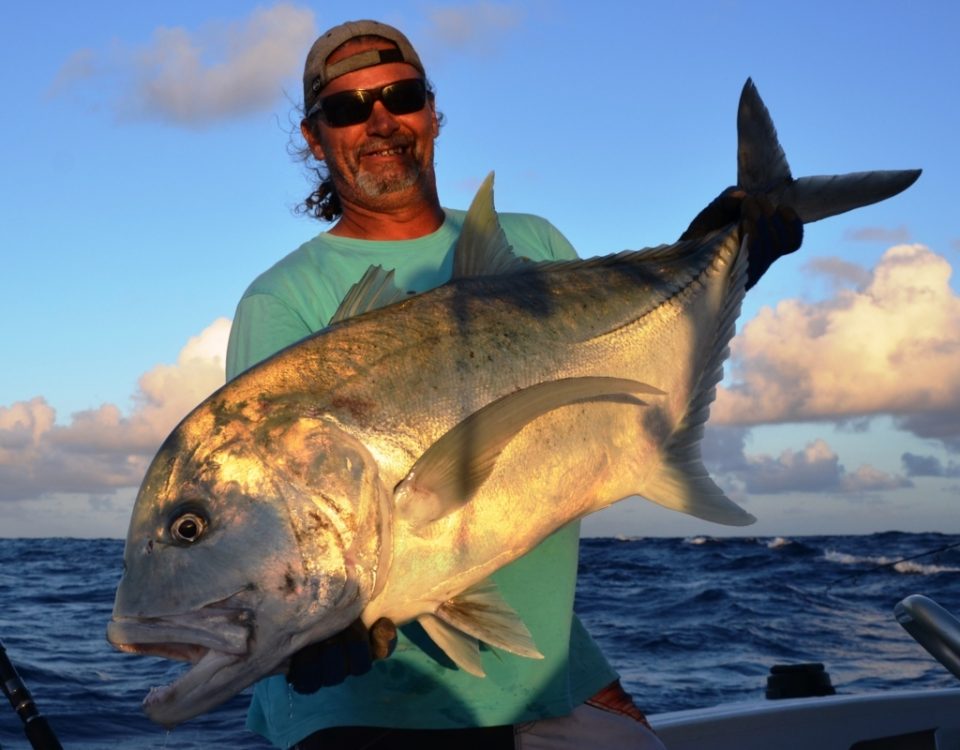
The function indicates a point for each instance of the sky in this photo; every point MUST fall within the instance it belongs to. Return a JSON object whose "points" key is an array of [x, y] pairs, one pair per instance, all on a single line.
{"points": [[147, 178]]}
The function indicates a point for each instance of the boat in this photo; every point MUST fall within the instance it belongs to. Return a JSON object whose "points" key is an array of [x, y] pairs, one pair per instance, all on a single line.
{"points": [[823, 720]]}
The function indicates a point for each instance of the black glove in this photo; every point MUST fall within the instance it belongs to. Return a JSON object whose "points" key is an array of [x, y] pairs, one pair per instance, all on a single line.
{"points": [[349, 652], [773, 231]]}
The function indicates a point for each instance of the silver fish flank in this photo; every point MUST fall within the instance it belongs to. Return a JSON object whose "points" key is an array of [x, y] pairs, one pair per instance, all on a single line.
{"points": [[387, 465]]}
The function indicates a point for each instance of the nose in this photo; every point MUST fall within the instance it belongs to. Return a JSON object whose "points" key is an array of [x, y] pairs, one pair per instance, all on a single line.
{"points": [[381, 122]]}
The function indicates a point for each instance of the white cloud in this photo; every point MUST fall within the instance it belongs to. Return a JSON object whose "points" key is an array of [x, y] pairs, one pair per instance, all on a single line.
{"points": [[889, 347], [472, 26], [814, 469], [101, 450], [197, 77]]}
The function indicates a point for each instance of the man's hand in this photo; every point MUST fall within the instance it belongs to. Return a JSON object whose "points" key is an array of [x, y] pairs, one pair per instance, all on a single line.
{"points": [[772, 231], [349, 652]]}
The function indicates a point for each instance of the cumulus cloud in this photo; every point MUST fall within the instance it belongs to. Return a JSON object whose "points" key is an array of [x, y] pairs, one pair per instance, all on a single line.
{"points": [[101, 450], [891, 346], [197, 77], [724, 448], [929, 466], [814, 469]]}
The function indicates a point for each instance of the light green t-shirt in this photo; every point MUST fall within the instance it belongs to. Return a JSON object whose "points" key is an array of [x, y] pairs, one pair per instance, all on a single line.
{"points": [[417, 686]]}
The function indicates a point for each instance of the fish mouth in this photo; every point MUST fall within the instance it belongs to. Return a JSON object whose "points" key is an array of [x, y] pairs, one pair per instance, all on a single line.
{"points": [[216, 640]]}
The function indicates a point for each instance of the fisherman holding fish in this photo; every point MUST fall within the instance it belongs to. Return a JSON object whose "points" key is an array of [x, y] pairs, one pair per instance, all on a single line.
{"points": [[415, 418], [370, 121]]}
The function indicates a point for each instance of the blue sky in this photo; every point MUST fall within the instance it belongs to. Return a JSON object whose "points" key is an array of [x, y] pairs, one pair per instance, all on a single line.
{"points": [[146, 182]]}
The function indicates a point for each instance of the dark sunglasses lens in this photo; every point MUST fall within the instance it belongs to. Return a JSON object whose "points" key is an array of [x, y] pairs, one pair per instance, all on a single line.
{"points": [[353, 107], [347, 108], [405, 97]]}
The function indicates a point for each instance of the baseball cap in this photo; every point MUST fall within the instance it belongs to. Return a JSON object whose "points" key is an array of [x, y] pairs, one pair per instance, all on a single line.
{"points": [[317, 73]]}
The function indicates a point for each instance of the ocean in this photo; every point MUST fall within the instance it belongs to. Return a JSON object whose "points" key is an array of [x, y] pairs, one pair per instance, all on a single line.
{"points": [[687, 622]]}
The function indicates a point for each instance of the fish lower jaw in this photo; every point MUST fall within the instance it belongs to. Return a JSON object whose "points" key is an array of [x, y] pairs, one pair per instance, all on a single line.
{"points": [[190, 694], [157, 694]]}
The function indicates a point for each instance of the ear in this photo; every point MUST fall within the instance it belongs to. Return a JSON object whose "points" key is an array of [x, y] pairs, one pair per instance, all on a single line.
{"points": [[313, 143]]}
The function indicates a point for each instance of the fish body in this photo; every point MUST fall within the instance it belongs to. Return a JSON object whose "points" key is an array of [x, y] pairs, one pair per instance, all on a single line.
{"points": [[387, 465]]}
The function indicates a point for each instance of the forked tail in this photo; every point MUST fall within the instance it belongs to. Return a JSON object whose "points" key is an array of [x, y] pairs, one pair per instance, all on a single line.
{"points": [[762, 168]]}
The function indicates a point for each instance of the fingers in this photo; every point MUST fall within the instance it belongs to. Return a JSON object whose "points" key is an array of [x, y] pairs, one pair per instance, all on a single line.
{"points": [[383, 638], [350, 652]]}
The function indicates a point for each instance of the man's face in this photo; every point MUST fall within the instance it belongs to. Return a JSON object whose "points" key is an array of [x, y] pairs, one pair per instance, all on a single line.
{"points": [[387, 161]]}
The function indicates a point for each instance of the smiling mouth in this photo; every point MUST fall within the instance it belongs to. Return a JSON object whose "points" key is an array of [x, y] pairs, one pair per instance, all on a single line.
{"points": [[385, 149]]}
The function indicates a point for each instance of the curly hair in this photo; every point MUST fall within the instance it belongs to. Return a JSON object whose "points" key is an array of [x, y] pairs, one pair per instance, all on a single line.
{"points": [[323, 202]]}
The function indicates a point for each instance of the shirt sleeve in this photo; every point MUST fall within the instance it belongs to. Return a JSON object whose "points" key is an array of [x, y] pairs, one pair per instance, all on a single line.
{"points": [[262, 326], [535, 238], [560, 247]]}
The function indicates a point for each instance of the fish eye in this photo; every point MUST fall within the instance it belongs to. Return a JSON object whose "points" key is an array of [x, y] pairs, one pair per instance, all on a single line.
{"points": [[188, 527]]}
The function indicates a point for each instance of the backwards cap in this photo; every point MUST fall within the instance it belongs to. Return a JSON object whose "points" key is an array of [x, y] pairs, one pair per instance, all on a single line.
{"points": [[317, 74]]}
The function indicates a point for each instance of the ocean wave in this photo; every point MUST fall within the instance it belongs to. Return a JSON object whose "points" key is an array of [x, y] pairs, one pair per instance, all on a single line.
{"points": [[907, 567]]}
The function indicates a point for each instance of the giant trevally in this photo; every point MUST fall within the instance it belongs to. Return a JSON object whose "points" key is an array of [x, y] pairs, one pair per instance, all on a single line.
{"points": [[387, 465]]}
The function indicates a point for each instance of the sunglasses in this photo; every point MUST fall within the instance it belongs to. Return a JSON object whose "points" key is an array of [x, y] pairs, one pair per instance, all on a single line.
{"points": [[354, 107]]}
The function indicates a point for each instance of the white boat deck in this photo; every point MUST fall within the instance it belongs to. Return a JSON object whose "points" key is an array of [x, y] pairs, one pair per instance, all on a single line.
{"points": [[896, 720]]}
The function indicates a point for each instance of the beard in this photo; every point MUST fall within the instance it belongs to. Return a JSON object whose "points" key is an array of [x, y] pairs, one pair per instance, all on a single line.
{"points": [[377, 184], [393, 178]]}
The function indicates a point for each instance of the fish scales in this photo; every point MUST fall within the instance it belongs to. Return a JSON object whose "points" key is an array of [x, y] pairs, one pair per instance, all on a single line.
{"points": [[387, 465]]}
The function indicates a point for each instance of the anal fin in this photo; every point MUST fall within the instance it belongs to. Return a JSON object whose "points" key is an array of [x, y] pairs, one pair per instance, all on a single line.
{"points": [[462, 649], [478, 614]]}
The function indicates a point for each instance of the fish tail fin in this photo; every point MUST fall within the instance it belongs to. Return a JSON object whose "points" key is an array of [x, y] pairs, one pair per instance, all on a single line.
{"points": [[762, 168]]}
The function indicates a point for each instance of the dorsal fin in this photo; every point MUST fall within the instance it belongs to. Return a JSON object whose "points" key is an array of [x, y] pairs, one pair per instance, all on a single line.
{"points": [[375, 289], [483, 248]]}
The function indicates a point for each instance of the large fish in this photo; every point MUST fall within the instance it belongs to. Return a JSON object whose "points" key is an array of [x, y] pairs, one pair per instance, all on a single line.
{"points": [[387, 465]]}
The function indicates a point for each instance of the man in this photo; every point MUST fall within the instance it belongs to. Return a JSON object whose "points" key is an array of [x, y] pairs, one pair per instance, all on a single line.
{"points": [[370, 117]]}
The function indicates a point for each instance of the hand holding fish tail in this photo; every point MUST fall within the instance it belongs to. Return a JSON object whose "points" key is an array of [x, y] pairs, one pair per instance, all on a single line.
{"points": [[772, 231], [350, 652]]}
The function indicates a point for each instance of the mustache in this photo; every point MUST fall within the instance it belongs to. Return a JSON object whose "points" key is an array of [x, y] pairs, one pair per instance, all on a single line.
{"points": [[382, 144]]}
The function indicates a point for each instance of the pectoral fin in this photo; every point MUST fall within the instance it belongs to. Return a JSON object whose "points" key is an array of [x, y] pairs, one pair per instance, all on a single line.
{"points": [[478, 614], [451, 470]]}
